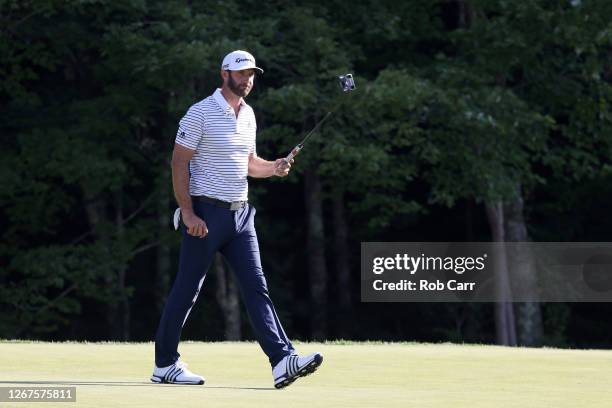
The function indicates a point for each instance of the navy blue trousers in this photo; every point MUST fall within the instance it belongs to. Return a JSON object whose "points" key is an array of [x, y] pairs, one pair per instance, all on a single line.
{"points": [[233, 234]]}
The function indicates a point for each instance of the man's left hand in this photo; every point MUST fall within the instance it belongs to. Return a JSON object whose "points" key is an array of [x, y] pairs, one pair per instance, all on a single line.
{"points": [[282, 167]]}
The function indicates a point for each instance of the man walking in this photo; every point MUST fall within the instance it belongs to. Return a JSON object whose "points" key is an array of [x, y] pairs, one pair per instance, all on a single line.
{"points": [[214, 152]]}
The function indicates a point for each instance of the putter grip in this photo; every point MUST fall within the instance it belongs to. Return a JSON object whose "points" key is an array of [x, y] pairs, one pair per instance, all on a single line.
{"points": [[293, 153]]}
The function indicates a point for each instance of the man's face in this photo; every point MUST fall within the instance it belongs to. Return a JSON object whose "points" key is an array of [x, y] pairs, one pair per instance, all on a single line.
{"points": [[240, 82]]}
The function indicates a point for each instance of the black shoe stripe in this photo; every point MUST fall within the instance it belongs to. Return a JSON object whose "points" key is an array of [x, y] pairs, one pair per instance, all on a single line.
{"points": [[166, 373], [293, 365], [178, 372], [170, 373], [288, 367]]}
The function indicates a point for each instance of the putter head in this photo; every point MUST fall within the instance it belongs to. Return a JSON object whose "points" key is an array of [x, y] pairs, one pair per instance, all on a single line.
{"points": [[347, 83]]}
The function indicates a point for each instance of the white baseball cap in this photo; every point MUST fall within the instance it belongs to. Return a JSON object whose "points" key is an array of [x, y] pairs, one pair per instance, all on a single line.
{"points": [[239, 60]]}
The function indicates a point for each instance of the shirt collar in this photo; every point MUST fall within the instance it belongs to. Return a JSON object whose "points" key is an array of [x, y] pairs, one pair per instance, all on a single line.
{"points": [[220, 99]]}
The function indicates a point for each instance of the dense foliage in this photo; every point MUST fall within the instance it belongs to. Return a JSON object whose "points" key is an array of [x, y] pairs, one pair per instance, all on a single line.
{"points": [[461, 105]]}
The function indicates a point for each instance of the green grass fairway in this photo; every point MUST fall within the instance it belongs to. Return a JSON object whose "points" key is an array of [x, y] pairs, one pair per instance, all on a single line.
{"points": [[352, 375]]}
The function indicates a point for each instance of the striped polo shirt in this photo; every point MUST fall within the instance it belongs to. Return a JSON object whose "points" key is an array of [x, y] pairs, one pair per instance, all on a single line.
{"points": [[222, 144]]}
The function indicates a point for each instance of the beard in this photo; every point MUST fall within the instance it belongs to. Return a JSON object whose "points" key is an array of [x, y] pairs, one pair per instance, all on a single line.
{"points": [[239, 90]]}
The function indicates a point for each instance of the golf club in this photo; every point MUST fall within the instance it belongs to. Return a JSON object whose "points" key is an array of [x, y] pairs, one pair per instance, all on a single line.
{"points": [[347, 84]]}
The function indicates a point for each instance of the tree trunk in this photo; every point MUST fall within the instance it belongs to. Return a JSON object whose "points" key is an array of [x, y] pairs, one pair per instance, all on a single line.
{"points": [[466, 14], [469, 221], [504, 313], [163, 264], [117, 314], [317, 271], [522, 268], [122, 310], [227, 296], [341, 256], [95, 208]]}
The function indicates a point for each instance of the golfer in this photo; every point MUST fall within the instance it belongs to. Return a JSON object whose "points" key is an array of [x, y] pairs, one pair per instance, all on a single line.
{"points": [[214, 152]]}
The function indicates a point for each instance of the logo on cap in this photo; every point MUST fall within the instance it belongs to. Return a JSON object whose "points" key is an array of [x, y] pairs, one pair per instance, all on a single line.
{"points": [[239, 60]]}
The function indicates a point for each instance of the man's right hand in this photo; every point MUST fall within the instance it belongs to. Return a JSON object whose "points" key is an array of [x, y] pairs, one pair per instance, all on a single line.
{"points": [[195, 225]]}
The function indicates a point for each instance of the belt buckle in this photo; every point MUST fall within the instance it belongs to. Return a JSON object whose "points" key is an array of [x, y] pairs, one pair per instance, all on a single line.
{"points": [[236, 205]]}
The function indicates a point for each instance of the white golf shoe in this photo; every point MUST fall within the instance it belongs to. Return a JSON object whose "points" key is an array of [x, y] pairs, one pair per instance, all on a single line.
{"points": [[293, 366], [176, 373]]}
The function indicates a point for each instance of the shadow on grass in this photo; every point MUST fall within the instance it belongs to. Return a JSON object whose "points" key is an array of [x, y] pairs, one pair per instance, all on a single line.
{"points": [[129, 384]]}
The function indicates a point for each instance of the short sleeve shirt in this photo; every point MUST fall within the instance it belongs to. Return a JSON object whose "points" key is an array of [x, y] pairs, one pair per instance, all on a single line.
{"points": [[222, 143]]}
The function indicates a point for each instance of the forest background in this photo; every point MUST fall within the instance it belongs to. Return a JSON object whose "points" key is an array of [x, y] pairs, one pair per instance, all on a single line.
{"points": [[474, 120]]}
